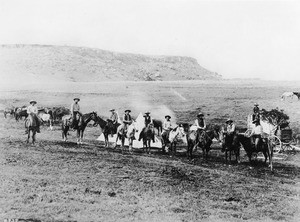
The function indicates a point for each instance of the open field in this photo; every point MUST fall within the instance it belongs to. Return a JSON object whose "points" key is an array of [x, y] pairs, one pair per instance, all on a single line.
{"points": [[56, 181]]}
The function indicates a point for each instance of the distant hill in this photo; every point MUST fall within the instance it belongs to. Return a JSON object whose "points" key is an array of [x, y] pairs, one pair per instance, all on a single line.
{"points": [[36, 63]]}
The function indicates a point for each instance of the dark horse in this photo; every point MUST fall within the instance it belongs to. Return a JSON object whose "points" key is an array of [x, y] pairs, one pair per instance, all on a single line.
{"points": [[147, 135], [31, 126], [83, 120], [230, 144], [266, 147], [201, 139], [108, 128]]}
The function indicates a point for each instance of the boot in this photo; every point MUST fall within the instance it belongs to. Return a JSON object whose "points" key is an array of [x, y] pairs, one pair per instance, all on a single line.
{"points": [[38, 130]]}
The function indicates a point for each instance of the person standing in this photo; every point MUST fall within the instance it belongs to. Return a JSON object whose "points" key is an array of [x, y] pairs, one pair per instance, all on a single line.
{"points": [[32, 112]]}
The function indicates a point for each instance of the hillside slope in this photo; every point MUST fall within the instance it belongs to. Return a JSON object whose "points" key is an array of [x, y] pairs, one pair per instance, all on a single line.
{"points": [[78, 64]]}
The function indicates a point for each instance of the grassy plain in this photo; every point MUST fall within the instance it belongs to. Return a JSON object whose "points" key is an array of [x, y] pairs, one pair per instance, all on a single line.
{"points": [[56, 181]]}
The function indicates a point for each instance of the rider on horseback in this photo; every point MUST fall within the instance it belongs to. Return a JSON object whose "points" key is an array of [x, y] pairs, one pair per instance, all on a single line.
{"points": [[32, 111], [148, 121], [75, 114], [114, 120], [200, 122], [230, 131], [256, 134], [127, 120], [255, 112]]}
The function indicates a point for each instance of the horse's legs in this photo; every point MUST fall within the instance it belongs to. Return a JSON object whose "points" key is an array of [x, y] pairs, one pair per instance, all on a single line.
{"points": [[149, 146], [237, 155], [78, 136], [81, 136], [33, 136], [28, 136]]}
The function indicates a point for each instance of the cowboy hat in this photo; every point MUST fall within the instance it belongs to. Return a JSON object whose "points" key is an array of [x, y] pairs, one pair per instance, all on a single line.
{"points": [[147, 112], [127, 110], [112, 110], [168, 116], [32, 101], [255, 104], [76, 98], [229, 120], [200, 114]]}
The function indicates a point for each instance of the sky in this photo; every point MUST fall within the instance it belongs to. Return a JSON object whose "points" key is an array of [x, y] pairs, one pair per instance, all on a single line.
{"points": [[237, 39]]}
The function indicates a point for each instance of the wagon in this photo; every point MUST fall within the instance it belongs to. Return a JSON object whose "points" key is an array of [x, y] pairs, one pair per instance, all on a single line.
{"points": [[281, 138]]}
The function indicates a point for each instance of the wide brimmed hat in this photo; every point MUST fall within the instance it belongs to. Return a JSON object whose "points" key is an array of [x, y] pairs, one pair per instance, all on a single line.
{"points": [[200, 114], [255, 104], [229, 120], [147, 112], [112, 110], [127, 110], [168, 116], [32, 101], [76, 98]]}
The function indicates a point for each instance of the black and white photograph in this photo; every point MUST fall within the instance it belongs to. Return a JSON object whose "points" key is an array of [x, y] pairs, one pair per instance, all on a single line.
{"points": [[149, 110]]}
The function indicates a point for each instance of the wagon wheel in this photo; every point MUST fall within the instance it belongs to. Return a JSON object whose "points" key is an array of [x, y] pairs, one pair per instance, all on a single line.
{"points": [[276, 142], [247, 133]]}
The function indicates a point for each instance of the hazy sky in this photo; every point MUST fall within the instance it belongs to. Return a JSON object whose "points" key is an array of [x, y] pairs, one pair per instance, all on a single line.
{"points": [[245, 39]]}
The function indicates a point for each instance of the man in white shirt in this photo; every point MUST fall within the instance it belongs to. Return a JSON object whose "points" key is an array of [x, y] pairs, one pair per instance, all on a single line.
{"points": [[32, 111], [75, 110], [256, 133]]}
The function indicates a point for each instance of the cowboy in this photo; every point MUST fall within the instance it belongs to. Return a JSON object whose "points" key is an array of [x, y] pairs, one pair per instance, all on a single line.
{"points": [[256, 133], [127, 120], [230, 131], [167, 125], [114, 116], [255, 112], [32, 111], [148, 119], [75, 113], [200, 122]]}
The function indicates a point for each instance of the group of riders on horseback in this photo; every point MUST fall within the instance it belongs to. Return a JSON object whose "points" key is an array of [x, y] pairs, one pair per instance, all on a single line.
{"points": [[76, 120]]}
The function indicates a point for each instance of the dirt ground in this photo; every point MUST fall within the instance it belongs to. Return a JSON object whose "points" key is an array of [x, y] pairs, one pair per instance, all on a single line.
{"points": [[57, 181]]}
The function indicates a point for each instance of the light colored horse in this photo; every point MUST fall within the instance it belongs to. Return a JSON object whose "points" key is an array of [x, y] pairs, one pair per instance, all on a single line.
{"points": [[176, 135], [131, 130], [129, 134], [286, 95], [46, 118]]}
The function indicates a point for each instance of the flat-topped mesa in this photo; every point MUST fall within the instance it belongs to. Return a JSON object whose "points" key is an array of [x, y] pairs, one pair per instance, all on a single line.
{"points": [[81, 64]]}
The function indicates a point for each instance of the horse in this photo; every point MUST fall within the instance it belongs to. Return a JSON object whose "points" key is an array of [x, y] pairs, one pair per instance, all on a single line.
{"points": [[31, 126], [266, 147], [157, 125], [129, 134], [10, 111], [172, 137], [147, 135], [203, 139], [107, 127], [230, 145], [20, 113], [290, 95], [46, 117], [83, 120]]}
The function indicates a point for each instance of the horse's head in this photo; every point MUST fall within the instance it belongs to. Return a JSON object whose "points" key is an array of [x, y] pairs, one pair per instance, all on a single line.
{"points": [[94, 117]]}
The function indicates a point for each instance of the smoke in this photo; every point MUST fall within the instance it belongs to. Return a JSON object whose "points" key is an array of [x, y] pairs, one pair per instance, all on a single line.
{"points": [[141, 102]]}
